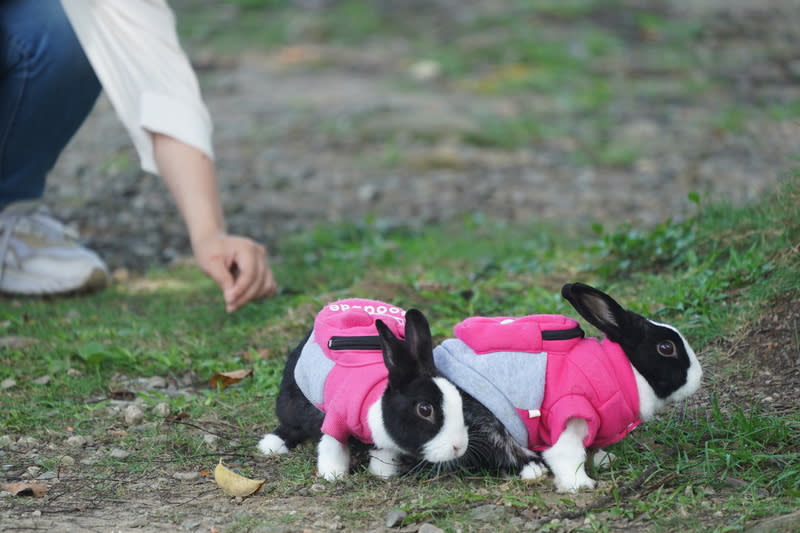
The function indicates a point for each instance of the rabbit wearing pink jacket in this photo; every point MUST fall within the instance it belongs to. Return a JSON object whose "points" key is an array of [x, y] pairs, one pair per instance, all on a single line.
{"points": [[558, 393]]}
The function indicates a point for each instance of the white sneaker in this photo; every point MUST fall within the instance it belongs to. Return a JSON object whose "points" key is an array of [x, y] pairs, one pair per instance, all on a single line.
{"points": [[39, 255]]}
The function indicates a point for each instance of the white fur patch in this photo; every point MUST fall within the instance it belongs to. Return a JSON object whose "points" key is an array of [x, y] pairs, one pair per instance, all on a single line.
{"points": [[452, 440], [603, 459], [272, 444], [649, 402], [532, 471], [380, 437], [567, 458], [383, 463], [333, 458]]}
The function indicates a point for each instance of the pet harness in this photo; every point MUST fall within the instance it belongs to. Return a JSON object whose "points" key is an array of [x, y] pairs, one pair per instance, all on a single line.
{"points": [[341, 370]]}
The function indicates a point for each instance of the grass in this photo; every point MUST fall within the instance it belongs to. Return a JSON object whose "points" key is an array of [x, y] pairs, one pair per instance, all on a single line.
{"points": [[709, 465], [720, 467]]}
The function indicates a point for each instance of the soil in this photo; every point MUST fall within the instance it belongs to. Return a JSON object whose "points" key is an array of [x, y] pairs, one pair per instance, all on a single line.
{"points": [[310, 134]]}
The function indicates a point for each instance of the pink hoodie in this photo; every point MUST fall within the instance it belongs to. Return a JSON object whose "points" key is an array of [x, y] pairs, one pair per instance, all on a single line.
{"points": [[345, 382], [584, 377]]}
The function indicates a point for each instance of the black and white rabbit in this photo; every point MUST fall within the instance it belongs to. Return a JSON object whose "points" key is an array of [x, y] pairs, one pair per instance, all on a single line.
{"points": [[653, 365], [411, 411]]}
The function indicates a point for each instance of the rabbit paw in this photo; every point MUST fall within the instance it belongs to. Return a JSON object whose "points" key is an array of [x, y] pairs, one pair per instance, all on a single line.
{"points": [[532, 471], [575, 483], [383, 463], [603, 459], [333, 458], [272, 444]]}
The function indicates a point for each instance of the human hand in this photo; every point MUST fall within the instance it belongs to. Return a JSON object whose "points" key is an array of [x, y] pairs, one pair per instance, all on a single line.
{"points": [[239, 266]]}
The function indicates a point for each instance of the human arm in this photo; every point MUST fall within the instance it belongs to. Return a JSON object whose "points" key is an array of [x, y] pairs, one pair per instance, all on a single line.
{"points": [[191, 178], [134, 50]]}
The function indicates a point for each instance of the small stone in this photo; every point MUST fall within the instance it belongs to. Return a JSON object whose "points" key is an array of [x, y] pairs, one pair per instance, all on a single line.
{"points": [[44, 380], [212, 441], [487, 513], [67, 460], [395, 517], [74, 372], [425, 70], [36, 514], [16, 343], [133, 415], [33, 471], [76, 441], [157, 382], [186, 476], [26, 443], [5, 440], [162, 409], [8, 383], [44, 476], [118, 453], [429, 528]]}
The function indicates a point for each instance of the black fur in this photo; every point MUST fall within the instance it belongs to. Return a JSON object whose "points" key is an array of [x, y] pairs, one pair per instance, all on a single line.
{"points": [[299, 419], [491, 446]]}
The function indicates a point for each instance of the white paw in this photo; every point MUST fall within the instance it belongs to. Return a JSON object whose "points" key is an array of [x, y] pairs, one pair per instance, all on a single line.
{"points": [[575, 483], [383, 463], [272, 444], [332, 475], [532, 471], [333, 458], [603, 459]]}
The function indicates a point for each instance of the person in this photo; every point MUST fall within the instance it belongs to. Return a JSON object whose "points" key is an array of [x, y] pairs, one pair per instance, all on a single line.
{"points": [[56, 57]]}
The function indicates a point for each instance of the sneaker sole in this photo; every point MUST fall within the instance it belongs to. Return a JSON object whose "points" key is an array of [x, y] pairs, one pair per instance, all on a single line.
{"points": [[16, 282]]}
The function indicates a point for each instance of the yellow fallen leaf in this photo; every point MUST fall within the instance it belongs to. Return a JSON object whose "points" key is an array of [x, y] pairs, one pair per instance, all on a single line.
{"points": [[233, 484]]}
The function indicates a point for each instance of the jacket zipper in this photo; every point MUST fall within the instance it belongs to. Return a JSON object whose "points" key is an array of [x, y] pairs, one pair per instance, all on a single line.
{"points": [[562, 334], [371, 342]]}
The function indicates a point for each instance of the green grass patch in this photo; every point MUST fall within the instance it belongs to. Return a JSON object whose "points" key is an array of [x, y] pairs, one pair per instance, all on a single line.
{"points": [[720, 465]]}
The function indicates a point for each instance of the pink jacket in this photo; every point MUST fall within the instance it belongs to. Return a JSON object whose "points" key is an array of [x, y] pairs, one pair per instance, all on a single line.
{"points": [[583, 377], [344, 381]]}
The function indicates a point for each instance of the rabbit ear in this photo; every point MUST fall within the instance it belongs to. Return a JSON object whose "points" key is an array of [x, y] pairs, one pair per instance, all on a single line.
{"points": [[599, 309], [396, 356], [420, 344]]}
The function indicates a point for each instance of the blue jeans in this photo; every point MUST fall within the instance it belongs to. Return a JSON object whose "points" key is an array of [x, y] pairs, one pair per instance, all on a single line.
{"points": [[47, 89]]}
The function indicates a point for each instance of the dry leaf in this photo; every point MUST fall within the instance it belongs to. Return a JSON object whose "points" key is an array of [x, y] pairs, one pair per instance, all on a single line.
{"points": [[223, 379], [233, 484], [37, 490]]}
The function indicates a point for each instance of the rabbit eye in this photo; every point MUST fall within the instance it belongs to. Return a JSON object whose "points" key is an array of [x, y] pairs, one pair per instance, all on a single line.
{"points": [[425, 410], [666, 348]]}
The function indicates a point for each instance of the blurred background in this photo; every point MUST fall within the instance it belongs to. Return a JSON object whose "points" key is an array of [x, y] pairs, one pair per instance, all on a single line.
{"points": [[578, 112]]}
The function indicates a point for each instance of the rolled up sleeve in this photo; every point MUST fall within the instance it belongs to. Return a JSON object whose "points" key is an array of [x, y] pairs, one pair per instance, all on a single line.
{"points": [[134, 49]]}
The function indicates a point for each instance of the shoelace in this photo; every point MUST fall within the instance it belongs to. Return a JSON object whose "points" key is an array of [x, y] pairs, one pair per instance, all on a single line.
{"points": [[40, 222]]}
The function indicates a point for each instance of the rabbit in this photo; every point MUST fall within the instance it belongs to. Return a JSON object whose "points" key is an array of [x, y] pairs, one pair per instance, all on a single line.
{"points": [[585, 394], [402, 405]]}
